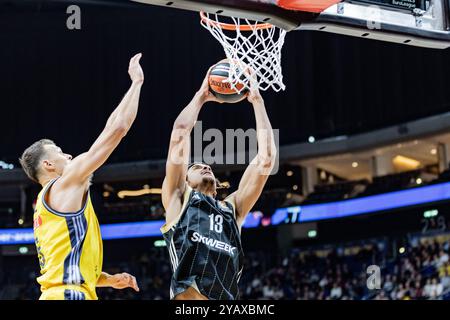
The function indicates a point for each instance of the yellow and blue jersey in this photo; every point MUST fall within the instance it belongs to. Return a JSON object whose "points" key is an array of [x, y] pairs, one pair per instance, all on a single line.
{"points": [[70, 250]]}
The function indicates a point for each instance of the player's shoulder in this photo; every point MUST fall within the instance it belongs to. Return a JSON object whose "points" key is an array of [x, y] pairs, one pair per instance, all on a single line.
{"points": [[66, 183]]}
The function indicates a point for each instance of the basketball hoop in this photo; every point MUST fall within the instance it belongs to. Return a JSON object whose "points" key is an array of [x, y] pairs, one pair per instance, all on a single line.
{"points": [[249, 45]]}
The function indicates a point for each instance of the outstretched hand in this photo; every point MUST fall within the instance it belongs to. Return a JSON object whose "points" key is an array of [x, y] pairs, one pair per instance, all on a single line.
{"points": [[122, 281], [135, 69]]}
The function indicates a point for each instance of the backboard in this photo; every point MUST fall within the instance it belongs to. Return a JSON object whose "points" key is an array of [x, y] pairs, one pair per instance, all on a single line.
{"points": [[423, 23]]}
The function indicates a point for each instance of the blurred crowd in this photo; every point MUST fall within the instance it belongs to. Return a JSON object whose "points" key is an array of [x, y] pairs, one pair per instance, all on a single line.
{"points": [[423, 272], [420, 272], [417, 271]]}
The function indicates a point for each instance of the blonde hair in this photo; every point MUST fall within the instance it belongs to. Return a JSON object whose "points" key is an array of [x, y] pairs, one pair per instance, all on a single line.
{"points": [[31, 158]]}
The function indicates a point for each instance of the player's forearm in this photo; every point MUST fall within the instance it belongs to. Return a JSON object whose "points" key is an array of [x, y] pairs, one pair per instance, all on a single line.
{"points": [[125, 113], [188, 117], [266, 141], [103, 280]]}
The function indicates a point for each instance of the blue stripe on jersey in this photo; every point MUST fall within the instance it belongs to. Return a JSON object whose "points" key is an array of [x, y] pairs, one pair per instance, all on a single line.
{"points": [[74, 295], [77, 227]]}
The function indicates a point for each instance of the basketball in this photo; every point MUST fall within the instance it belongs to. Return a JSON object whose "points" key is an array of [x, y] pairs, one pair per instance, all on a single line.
{"points": [[223, 90]]}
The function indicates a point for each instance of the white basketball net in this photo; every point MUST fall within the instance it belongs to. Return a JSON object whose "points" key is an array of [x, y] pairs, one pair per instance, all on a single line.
{"points": [[258, 49]]}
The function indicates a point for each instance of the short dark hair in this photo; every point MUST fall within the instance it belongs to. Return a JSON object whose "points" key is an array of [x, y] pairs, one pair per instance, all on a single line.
{"points": [[32, 156]]}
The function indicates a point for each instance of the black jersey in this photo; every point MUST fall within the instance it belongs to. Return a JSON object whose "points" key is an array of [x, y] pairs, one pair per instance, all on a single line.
{"points": [[205, 248]]}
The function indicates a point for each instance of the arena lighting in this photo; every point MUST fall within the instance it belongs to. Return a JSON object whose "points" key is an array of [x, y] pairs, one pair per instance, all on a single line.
{"points": [[401, 250], [312, 233], [254, 219], [419, 181], [159, 243], [265, 222], [6, 166], [433, 151], [430, 213], [289, 173], [136, 193], [115, 231], [406, 162], [311, 139], [355, 164], [108, 231], [23, 250], [364, 205]]}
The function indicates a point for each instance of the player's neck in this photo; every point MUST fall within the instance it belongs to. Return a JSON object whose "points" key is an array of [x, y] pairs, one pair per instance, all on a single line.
{"points": [[206, 190], [45, 180]]}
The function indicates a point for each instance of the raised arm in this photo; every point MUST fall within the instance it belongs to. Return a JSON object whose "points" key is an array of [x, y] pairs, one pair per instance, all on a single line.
{"points": [[255, 176], [180, 145], [116, 128]]}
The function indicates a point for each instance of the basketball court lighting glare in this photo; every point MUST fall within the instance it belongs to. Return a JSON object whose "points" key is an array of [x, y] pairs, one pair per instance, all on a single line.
{"points": [[136, 193], [20, 221], [294, 187], [419, 181], [401, 250], [311, 139]]}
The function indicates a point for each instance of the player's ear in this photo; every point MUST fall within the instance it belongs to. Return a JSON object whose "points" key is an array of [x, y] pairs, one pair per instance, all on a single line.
{"points": [[48, 165], [187, 181]]}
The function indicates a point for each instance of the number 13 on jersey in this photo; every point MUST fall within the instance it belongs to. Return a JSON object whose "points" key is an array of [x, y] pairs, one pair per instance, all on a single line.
{"points": [[216, 223]]}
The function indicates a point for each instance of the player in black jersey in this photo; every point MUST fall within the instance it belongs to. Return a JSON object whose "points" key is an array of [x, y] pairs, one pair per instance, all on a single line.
{"points": [[203, 234]]}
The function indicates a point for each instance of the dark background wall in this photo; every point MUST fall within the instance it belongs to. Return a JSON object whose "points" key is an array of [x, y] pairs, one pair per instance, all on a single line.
{"points": [[63, 84]]}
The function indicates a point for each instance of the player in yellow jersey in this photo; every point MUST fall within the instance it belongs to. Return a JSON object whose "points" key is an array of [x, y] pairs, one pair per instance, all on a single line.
{"points": [[66, 229]]}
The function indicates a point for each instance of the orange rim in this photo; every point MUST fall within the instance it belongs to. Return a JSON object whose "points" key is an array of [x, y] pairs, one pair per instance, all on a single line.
{"points": [[232, 27]]}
